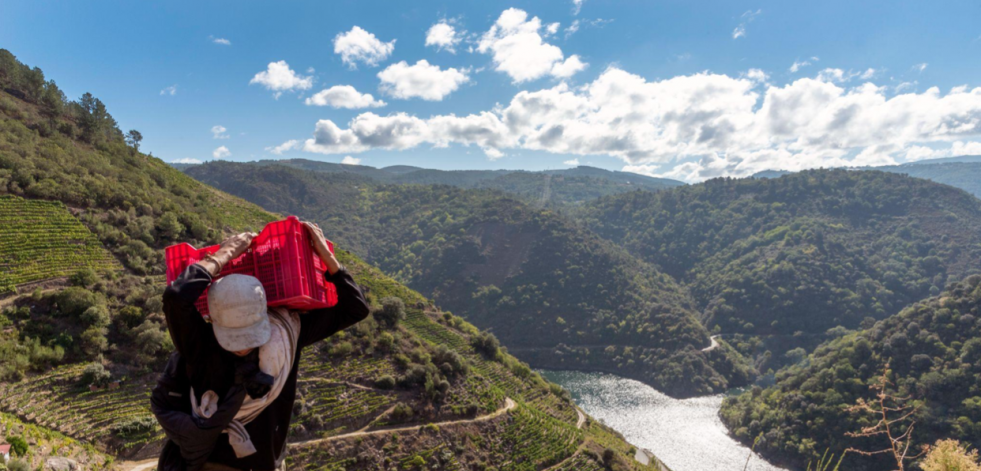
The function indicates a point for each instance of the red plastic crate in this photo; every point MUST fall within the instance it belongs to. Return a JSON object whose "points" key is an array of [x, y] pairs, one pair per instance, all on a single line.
{"points": [[281, 257]]}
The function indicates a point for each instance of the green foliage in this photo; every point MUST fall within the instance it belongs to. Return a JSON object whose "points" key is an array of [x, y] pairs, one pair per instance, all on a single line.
{"points": [[924, 347], [95, 374], [18, 465], [41, 239], [950, 455], [385, 382], [18, 446], [503, 265], [392, 311], [792, 257]]}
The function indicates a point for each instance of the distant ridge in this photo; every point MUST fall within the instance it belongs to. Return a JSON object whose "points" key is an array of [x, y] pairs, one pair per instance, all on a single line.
{"points": [[962, 172], [573, 186]]}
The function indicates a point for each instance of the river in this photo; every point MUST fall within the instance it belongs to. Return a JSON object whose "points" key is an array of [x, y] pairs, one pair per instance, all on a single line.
{"points": [[685, 434]]}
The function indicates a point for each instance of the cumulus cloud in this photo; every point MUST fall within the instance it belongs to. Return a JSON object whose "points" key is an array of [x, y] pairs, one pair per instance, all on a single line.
{"points": [[343, 96], [518, 49], [221, 153], [221, 41], [219, 132], [186, 160], [920, 67], [171, 90], [443, 36], [573, 162], [359, 45], [689, 127], [288, 145], [421, 80], [577, 6], [279, 77], [348, 160]]}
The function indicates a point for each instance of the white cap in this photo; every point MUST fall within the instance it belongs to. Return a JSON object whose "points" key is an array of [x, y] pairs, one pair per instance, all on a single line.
{"points": [[237, 305]]}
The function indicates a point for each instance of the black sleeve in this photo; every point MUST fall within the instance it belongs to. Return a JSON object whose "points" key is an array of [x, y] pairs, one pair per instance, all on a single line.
{"points": [[190, 333], [195, 437], [351, 308]]}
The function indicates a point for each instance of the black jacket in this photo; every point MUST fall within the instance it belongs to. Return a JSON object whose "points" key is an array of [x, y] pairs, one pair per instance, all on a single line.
{"points": [[202, 363]]}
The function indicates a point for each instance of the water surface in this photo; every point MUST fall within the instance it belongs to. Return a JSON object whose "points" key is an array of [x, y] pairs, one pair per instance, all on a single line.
{"points": [[685, 434]]}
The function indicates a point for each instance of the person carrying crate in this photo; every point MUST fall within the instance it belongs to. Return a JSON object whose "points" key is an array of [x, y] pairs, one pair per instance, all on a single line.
{"points": [[226, 396]]}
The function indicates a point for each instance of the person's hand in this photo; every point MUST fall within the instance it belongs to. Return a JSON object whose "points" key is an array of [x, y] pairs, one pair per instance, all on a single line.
{"points": [[237, 244], [230, 249], [320, 247]]}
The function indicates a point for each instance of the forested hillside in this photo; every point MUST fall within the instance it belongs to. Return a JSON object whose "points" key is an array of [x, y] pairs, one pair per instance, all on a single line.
{"points": [[81, 358], [931, 356], [545, 188], [787, 259], [552, 292]]}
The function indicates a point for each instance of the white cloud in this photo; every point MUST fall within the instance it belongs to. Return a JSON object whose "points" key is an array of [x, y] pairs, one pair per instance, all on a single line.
{"points": [[344, 96], [868, 74], [572, 28], [359, 45], [288, 145], [690, 127], [797, 65], [518, 49], [757, 75], [219, 132], [920, 67], [186, 160], [348, 160], [569, 67], [577, 6], [279, 78], [222, 41], [443, 36], [573, 162], [551, 29], [421, 80], [171, 90], [746, 18], [221, 153]]}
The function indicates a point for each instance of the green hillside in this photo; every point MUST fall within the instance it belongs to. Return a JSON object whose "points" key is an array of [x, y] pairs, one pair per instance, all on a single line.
{"points": [[932, 353], [554, 293], [40, 240], [545, 188], [81, 359], [785, 260]]}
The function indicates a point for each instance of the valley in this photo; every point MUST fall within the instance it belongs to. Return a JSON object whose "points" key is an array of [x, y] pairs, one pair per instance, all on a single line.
{"points": [[707, 323]]}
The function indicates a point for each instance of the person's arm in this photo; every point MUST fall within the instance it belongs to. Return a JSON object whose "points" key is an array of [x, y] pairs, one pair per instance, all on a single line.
{"points": [[351, 307], [195, 437], [187, 328]]}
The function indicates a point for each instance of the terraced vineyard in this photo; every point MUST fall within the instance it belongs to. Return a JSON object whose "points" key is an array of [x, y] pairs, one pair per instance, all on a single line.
{"points": [[50, 443], [54, 400], [41, 240], [338, 408]]}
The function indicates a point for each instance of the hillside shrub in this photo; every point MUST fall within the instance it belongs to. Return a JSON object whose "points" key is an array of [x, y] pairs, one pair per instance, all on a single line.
{"points": [[392, 312], [950, 455], [385, 382], [18, 446], [95, 374]]}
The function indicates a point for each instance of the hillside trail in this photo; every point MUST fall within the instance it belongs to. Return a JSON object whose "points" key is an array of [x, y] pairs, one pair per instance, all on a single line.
{"points": [[713, 346], [582, 418], [509, 404]]}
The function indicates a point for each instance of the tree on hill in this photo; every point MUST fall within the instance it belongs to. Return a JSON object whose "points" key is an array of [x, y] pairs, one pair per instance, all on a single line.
{"points": [[133, 138]]}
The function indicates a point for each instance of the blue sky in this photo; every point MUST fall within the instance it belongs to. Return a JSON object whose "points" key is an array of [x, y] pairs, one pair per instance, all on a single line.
{"points": [[688, 90]]}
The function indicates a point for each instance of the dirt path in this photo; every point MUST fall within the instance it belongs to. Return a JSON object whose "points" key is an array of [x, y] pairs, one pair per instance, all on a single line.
{"points": [[508, 405], [144, 465], [582, 418], [713, 346]]}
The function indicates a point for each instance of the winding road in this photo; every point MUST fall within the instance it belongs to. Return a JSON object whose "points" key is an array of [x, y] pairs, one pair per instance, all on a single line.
{"points": [[713, 346], [509, 404]]}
